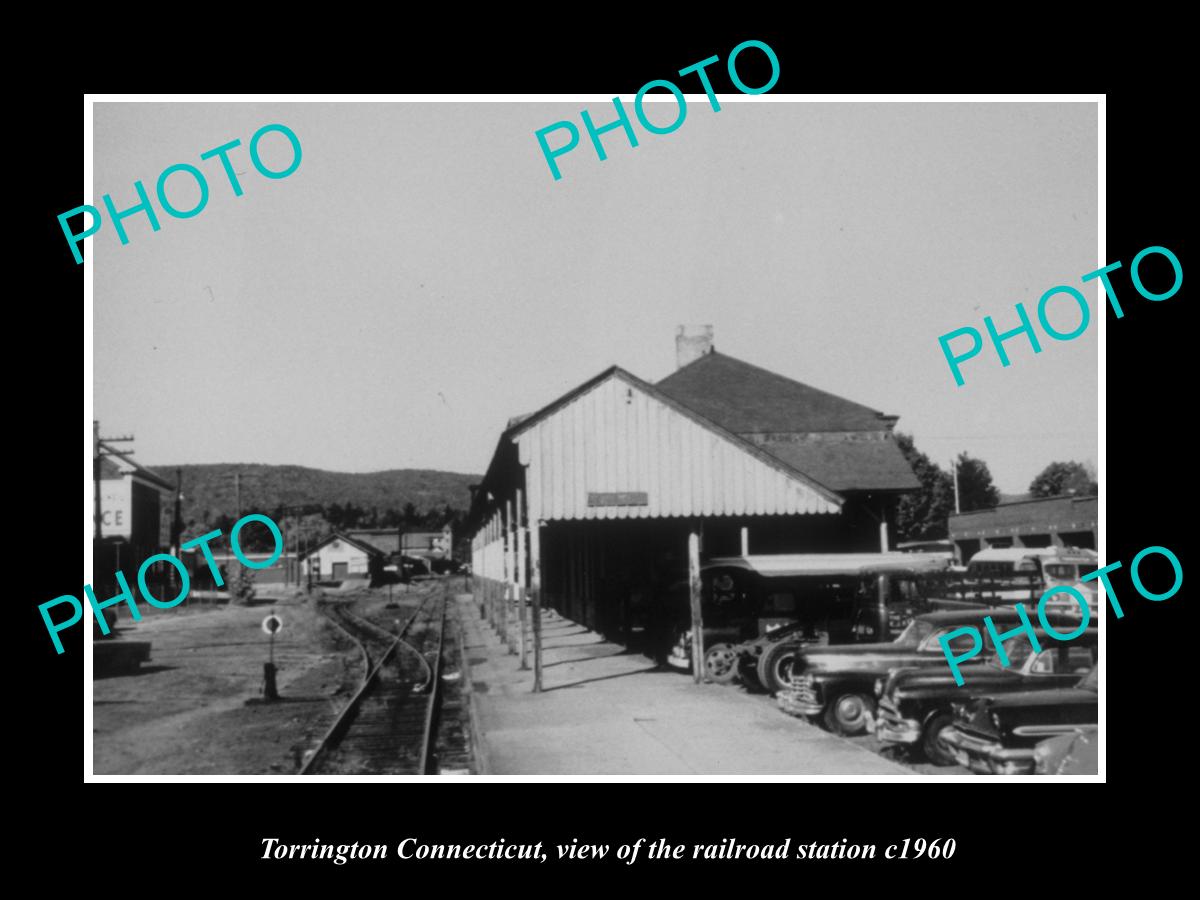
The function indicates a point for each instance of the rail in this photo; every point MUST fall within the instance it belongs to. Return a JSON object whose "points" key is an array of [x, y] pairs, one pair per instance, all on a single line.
{"points": [[364, 632]]}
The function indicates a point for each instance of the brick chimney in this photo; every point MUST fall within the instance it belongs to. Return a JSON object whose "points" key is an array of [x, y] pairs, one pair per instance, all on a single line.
{"points": [[691, 343]]}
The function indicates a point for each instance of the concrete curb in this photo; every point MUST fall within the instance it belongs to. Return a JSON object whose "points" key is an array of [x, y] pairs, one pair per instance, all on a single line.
{"points": [[479, 749]]}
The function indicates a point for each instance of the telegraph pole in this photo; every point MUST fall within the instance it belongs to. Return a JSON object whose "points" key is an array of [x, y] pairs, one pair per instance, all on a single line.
{"points": [[298, 534], [954, 470], [177, 524], [237, 488], [96, 529]]}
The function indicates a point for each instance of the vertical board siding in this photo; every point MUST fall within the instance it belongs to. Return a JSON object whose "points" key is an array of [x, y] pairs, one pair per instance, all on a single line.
{"points": [[616, 438]]}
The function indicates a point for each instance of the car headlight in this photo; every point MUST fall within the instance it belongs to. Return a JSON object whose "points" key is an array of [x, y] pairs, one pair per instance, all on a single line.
{"points": [[879, 686]]}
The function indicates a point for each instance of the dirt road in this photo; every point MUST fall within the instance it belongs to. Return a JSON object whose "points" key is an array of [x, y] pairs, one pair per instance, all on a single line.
{"points": [[196, 707]]}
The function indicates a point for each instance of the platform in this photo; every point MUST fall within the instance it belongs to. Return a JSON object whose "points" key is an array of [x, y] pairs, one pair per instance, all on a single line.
{"points": [[608, 711]]}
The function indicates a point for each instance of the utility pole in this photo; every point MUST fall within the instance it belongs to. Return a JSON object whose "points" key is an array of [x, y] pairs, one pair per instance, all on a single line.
{"points": [[177, 524], [299, 533], [237, 488], [96, 529], [954, 470]]}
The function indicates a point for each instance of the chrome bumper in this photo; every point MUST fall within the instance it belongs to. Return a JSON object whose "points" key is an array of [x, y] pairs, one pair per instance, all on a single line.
{"points": [[987, 757], [891, 727], [799, 702], [676, 661]]}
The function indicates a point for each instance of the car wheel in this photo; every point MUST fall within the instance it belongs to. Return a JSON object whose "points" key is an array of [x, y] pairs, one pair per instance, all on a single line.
{"points": [[747, 669], [848, 714], [721, 663], [930, 743], [775, 666]]}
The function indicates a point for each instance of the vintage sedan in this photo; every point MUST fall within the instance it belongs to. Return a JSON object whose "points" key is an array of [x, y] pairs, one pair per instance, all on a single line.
{"points": [[999, 735], [916, 705], [1068, 754], [836, 685]]}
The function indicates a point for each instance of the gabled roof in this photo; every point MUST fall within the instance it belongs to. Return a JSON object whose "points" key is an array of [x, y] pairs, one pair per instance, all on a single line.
{"points": [[846, 446], [385, 540], [115, 465], [338, 536], [831, 444], [616, 371], [746, 399], [849, 465]]}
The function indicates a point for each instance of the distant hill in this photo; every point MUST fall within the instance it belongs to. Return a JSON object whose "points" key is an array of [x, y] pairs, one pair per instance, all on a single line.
{"points": [[209, 491]]}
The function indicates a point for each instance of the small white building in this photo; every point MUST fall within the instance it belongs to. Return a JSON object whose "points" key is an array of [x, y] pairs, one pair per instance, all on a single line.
{"points": [[339, 557]]}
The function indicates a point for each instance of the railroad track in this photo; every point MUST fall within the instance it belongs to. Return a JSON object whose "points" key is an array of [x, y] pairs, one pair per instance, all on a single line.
{"points": [[389, 727]]}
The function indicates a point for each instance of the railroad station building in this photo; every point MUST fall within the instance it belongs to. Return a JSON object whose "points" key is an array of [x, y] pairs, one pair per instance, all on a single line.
{"points": [[1053, 521], [595, 497]]}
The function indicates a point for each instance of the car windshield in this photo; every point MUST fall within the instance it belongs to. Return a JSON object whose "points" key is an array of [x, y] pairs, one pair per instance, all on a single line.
{"points": [[916, 632], [1017, 650]]}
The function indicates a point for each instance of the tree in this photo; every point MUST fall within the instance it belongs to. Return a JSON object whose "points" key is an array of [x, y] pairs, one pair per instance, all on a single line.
{"points": [[975, 487], [922, 515], [1064, 478]]}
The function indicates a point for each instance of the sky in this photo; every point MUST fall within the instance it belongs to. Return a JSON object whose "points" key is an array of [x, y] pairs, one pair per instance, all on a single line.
{"points": [[421, 277]]}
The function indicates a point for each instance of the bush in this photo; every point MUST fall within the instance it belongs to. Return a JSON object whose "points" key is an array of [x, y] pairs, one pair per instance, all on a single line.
{"points": [[242, 589]]}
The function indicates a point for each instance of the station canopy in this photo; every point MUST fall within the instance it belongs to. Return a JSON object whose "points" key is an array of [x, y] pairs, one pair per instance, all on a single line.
{"points": [[787, 565]]}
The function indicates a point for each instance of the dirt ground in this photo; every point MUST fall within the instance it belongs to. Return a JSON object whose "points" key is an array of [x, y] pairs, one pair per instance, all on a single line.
{"points": [[196, 707]]}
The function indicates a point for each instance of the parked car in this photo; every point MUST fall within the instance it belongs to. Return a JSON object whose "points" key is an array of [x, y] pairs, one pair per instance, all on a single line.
{"points": [[916, 705], [752, 603], [1068, 754], [836, 685], [999, 735]]}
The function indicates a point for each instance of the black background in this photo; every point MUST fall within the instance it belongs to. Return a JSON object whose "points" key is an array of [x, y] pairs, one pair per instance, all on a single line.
{"points": [[204, 835]]}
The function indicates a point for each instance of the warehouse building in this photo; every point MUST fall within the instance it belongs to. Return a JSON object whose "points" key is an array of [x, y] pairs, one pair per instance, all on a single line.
{"points": [[1053, 521], [385, 540], [339, 557], [598, 496], [428, 546], [136, 511]]}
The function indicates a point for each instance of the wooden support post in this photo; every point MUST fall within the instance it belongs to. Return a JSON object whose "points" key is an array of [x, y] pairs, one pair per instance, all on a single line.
{"points": [[510, 575], [585, 583], [497, 570], [535, 577], [522, 575], [697, 618], [883, 582], [476, 571]]}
